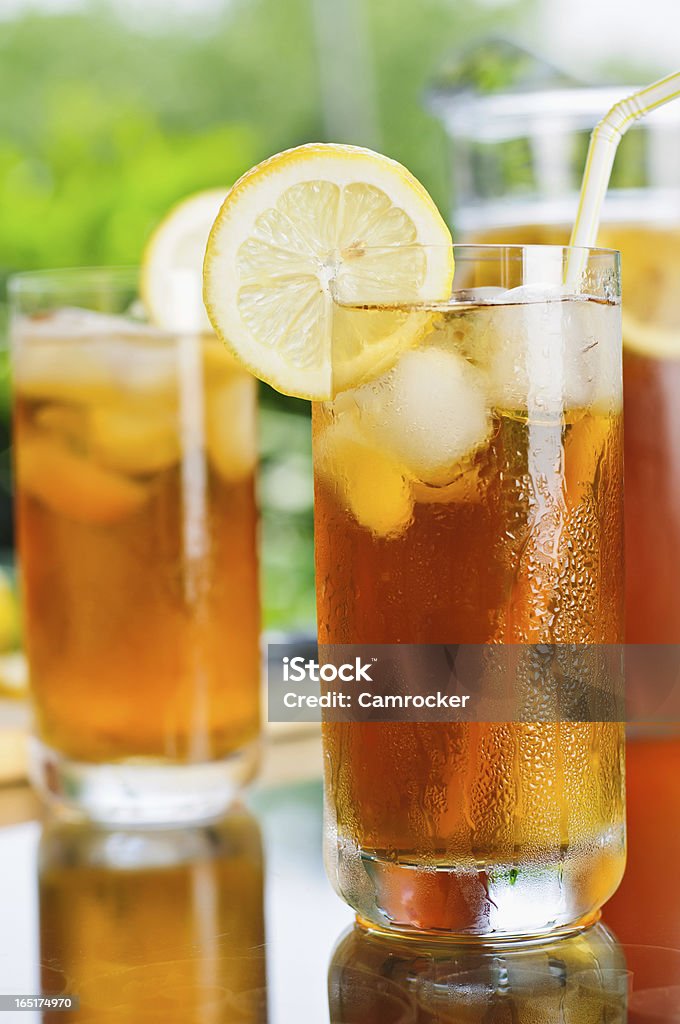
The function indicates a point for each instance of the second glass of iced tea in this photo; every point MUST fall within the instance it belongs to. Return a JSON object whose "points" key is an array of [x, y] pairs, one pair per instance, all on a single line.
{"points": [[473, 494], [135, 452]]}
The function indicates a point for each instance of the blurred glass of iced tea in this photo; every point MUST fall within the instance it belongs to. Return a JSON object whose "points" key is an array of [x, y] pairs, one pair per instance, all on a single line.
{"points": [[135, 458]]}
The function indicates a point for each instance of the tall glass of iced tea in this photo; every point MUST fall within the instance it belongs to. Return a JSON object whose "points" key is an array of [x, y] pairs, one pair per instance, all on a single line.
{"points": [[135, 454], [472, 494]]}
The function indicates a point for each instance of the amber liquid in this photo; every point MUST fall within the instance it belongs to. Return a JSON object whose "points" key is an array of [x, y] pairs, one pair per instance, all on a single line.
{"points": [[652, 498], [145, 927], [139, 568], [646, 907], [523, 547]]}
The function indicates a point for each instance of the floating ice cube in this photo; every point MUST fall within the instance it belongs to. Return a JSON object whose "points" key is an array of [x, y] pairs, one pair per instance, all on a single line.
{"points": [[79, 355], [428, 413], [485, 293], [548, 351], [465, 489], [596, 331], [537, 292], [73, 323], [44, 370]]}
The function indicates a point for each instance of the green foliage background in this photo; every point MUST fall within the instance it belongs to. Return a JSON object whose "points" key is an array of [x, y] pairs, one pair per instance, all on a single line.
{"points": [[105, 124]]}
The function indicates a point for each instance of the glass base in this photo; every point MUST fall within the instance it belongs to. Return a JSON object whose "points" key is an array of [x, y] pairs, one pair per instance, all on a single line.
{"points": [[491, 941], [493, 905], [139, 793]]}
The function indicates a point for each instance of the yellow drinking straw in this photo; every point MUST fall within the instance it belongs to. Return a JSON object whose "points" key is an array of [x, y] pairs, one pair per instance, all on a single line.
{"points": [[603, 145]]}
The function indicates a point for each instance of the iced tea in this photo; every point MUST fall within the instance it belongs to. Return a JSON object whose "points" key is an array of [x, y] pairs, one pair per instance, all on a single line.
{"points": [[473, 494], [135, 454]]}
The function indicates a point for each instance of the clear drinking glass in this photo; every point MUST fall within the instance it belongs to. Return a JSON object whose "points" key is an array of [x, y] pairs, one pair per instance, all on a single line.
{"points": [[135, 453], [473, 494]]}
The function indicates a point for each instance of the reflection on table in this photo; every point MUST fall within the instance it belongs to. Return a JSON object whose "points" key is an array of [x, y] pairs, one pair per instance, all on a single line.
{"points": [[167, 925], [147, 926], [375, 980]]}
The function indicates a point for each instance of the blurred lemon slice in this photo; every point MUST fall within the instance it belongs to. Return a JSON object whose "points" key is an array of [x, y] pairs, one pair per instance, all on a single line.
{"points": [[306, 224], [172, 262], [650, 268], [9, 614], [648, 339], [373, 485], [13, 675], [75, 486]]}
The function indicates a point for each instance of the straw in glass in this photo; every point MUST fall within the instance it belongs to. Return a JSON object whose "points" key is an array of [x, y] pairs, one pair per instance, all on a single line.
{"points": [[603, 145]]}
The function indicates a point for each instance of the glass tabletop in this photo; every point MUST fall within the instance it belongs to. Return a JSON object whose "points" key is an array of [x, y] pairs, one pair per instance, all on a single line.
{"points": [[236, 922]]}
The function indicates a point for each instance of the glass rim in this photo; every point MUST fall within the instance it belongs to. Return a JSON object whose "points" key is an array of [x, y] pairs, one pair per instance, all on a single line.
{"points": [[499, 117], [513, 248], [27, 280]]}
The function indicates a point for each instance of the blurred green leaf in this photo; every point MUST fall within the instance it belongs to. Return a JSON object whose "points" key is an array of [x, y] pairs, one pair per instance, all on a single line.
{"points": [[105, 125]]}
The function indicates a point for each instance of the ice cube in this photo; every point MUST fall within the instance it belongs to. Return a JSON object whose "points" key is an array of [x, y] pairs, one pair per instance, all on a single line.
{"points": [[49, 370], [526, 293], [428, 413], [67, 422], [82, 356], [72, 322], [466, 489], [484, 293], [368, 482], [595, 328], [231, 427], [547, 351]]}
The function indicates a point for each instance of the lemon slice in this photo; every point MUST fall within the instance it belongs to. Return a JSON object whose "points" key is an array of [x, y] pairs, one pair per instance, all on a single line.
{"points": [[650, 268], [73, 486], [310, 223], [9, 616], [172, 262], [648, 339]]}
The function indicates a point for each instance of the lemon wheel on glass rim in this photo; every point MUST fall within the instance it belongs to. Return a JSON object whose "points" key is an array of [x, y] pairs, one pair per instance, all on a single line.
{"points": [[305, 225]]}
